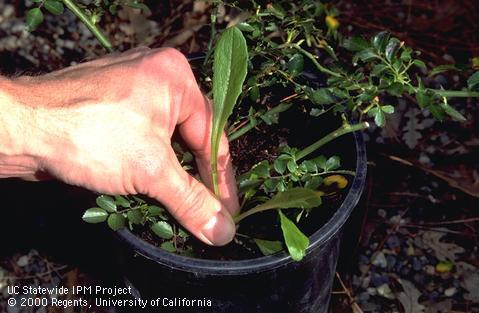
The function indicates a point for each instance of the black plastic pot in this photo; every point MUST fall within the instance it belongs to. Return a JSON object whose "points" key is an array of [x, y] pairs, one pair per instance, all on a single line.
{"points": [[268, 284]]}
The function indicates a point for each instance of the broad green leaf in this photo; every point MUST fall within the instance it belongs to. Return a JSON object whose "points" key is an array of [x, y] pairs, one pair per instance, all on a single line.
{"points": [[245, 27], [268, 247], [116, 221], [261, 169], [365, 55], [419, 63], [388, 109], [154, 210], [380, 40], [396, 89], [280, 163], [332, 163], [135, 216], [473, 81], [107, 203], [321, 96], [391, 48], [295, 240], [356, 44], [229, 72], [379, 116], [54, 7], [168, 246], [301, 198], [122, 201], [162, 229], [95, 215], [34, 18], [296, 64]]}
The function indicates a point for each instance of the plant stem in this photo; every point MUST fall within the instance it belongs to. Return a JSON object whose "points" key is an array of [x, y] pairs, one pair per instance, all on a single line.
{"points": [[256, 209], [456, 93], [345, 129], [316, 63], [243, 130], [214, 165], [89, 24], [214, 12]]}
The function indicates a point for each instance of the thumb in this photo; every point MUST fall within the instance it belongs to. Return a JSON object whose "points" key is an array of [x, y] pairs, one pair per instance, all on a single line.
{"points": [[191, 203]]}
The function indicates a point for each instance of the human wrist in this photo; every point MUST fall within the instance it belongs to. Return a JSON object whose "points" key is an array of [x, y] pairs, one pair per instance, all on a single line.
{"points": [[21, 138]]}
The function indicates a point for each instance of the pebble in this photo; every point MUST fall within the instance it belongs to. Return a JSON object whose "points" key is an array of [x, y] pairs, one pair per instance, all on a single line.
{"points": [[380, 260], [23, 261], [393, 242], [449, 292]]}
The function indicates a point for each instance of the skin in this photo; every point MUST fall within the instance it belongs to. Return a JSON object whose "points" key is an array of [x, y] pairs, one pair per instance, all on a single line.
{"points": [[106, 125]]}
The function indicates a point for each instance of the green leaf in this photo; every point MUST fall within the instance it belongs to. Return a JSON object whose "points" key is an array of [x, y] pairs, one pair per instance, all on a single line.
{"points": [[396, 89], [314, 182], [34, 18], [122, 201], [321, 96], [107, 203], [473, 81], [355, 44], [229, 72], [419, 64], [295, 240], [365, 55], [280, 163], [168, 246], [261, 169], [268, 247], [379, 116], [154, 210], [380, 40], [296, 64], [95, 215], [116, 221], [162, 229], [301, 198], [424, 99], [392, 48], [449, 110], [332, 163], [443, 68], [388, 109], [54, 7], [245, 27], [135, 216]]}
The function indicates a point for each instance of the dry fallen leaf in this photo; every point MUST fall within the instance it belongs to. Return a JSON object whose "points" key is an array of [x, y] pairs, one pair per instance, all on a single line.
{"points": [[409, 298]]}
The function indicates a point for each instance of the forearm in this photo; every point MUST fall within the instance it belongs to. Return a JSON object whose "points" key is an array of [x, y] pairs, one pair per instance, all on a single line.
{"points": [[16, 133]]}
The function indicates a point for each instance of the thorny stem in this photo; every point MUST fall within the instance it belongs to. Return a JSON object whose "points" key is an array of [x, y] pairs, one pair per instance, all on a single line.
{"points": [[104, 41]]}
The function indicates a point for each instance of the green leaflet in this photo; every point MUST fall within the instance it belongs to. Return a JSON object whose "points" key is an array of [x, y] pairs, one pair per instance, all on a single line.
{"points": [[268, 247], [229, 72], [295, 240]]}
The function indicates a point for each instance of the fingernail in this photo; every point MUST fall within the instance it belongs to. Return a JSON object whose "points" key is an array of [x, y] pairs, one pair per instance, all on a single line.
{"points": [[220, 229]]}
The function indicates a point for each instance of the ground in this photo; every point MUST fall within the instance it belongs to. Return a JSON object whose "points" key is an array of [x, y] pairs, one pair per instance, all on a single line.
{"points": [[415, 232]]}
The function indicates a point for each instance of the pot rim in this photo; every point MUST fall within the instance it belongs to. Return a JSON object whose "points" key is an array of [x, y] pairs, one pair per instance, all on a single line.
{"points": [[238, 267]]}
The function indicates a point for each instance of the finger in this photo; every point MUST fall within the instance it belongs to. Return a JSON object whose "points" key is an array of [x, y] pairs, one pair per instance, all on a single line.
{"points": [[191, 203], [196, 131]]}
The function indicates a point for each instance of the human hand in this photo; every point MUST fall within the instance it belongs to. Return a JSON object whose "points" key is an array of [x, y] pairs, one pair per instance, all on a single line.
{"points": [[106, 125]]}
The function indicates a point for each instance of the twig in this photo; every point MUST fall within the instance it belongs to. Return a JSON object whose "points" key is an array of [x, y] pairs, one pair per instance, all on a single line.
{"points": [[356, 308]]}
